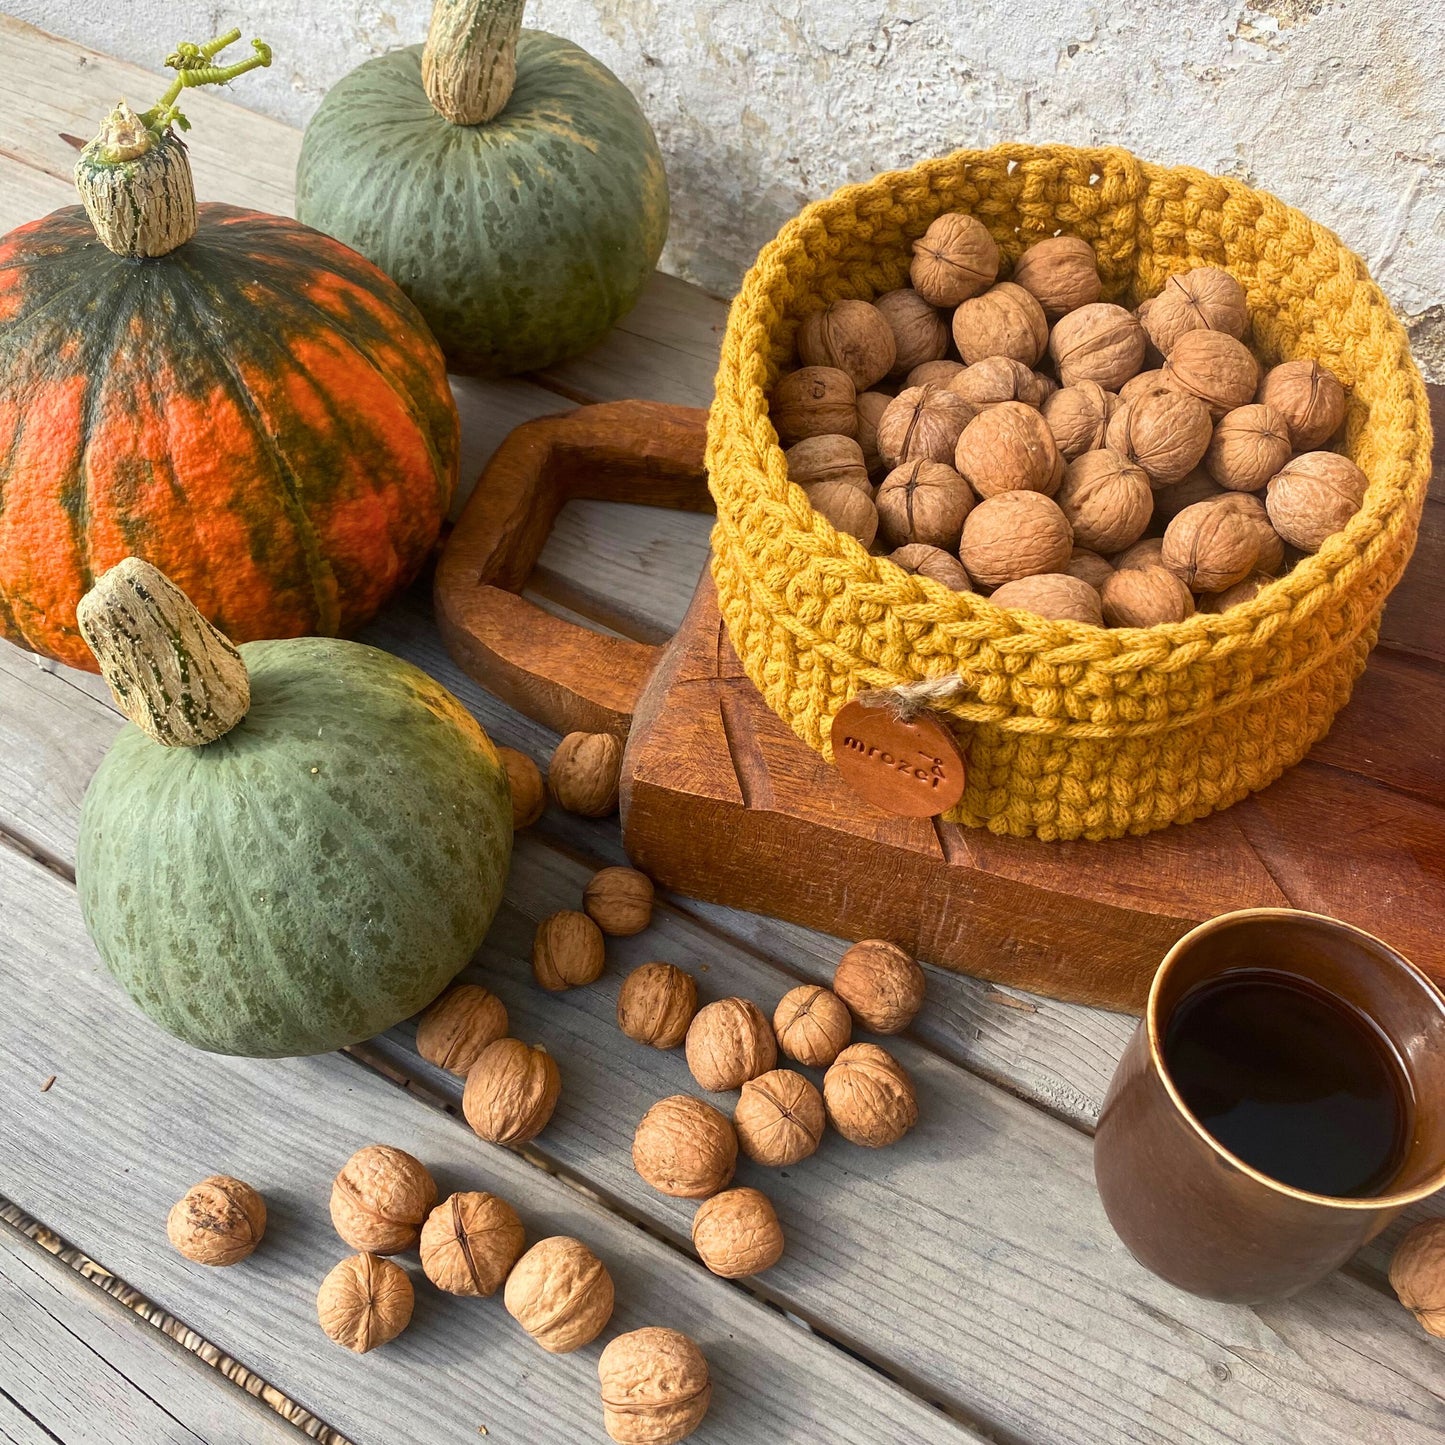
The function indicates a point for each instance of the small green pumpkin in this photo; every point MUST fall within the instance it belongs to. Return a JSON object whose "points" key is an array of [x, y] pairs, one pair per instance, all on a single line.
{"points": [[301, 842], [507, 181]]}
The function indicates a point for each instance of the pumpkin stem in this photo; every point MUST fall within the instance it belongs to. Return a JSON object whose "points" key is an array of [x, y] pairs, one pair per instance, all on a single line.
{"points": [[135, 177], [171, 673], [469, 65]]}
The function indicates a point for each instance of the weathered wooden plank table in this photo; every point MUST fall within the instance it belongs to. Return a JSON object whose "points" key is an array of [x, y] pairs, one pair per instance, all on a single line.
{"points": [[963, 1286]]}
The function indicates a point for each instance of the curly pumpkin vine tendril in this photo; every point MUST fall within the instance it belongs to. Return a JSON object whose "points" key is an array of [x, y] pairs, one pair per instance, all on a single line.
{"points": [[192, 64]]}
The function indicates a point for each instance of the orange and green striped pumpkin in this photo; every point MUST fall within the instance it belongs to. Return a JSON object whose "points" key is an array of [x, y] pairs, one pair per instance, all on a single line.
{"points": [[260, 413]]}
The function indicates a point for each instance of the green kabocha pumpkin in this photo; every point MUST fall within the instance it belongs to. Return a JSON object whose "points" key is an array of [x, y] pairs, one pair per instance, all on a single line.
{"points": [[299, 843], [237, 398], [506, 180]]}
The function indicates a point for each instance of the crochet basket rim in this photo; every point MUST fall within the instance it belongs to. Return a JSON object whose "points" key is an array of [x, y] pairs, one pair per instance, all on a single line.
{"points": [[744, 378]]}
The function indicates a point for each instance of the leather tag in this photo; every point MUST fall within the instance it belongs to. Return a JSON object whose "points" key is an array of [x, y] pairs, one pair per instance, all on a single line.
{"points": [[911, 768]]}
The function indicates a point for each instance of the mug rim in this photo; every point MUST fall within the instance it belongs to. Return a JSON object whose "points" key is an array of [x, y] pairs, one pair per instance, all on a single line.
{"points": [[1436, 1180]]}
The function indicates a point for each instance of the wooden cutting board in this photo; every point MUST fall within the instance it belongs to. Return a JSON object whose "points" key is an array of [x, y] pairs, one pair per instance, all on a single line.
{"points": [[721, 802]]}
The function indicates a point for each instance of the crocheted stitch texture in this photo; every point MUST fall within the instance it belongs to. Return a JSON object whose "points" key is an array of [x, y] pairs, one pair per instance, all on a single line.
{"points": [[1070, 731]]}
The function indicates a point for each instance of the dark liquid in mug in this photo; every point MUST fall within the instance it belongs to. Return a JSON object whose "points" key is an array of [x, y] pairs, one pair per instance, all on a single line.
{"points": [[1292, 1080]]}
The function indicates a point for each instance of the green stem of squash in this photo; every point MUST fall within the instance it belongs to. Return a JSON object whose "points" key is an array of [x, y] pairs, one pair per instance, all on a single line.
{"points": [[469, 65], [171, 673], [134, 177]]}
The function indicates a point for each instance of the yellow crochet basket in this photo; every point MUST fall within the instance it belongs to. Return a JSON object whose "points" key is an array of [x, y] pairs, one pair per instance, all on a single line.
{"points": [[1069, 731]]}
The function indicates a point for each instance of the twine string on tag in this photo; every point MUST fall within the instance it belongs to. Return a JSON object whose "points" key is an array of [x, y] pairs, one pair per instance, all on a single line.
{"points": [[910, 700]]}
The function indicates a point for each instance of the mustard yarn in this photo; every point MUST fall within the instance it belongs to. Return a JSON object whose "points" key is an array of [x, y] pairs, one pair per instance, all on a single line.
{"points": [[1069, 731]]}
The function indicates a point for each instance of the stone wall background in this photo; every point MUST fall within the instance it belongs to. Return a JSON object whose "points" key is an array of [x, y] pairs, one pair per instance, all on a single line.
{"points": [[1337, 106]]}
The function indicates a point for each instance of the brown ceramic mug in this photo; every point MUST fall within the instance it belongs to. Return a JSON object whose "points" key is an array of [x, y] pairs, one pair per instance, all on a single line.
{"points": [[1201, 1217]]}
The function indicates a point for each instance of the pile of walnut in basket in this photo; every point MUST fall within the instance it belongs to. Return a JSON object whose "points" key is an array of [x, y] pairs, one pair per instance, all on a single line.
{"points": [[1074, 459]]}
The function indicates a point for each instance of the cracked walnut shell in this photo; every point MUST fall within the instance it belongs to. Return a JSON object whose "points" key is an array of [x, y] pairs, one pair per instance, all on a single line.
{"points": [[1145, 597], [923, 501], [655, 1387], [561, 1294], [219, 1221], [920, 334], [470, 1242], [922, 422], [684, 1147], [1210, 546], [932, 562], [1106, 499], [814, 401], [1249, 446], [585, 773], [812, 1024], [656, 1004], [1417, 1275], [511, 1092], [567, 951], [881, 984], [1004, 321], [1061, 273], [1213, 366], [1009, 447], [1057, 596], [1164, 432], [364, 1302], [955, 258], [619, 901], [380, 1198], [728, 1042], [779, 1118], [1013, 535], [1203, 299], [869, 1097], [737, 1234], [459, 1025], [1310, 399], [1313, 497], [853, 336], [524, 784], [1100, 342]]}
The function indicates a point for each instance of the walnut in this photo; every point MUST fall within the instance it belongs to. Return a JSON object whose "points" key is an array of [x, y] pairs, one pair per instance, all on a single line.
{"points": [[1008, 447], [1313, 497], [1061, 273], [934, 373], [922, 422], [1004, 321], [685, 1147], [619, 901], [1058, 596], [1204, 299], [955, 258], [1145, 597], [932, 562], [656, 1004], [828, 459], [655, 1387], [1252, 509], [852, 336], [364, 1302], [511, 1092], [1013, 535], [1241, 592], [380, 1198], [1146, 553], [1417, 1275], [567, 951], [1250, 444], [881, 984], [923, 501], [730, 1041], [1210, 546], [1142, 383], [1309, 398], [524, 781], [1106, 499], [812, 1025], [1215, 367], [470, 1242], [561, 1294], [1198, 486], [218, 1221], [1100, 342], [869, 1097], [920, 334], [1078, 416], [1039, 390], [1089, 567], [814, 401], [585, 773], [1164, 432], [779, 1118], [459, 1025], [736, 1233], [847, 508], [871, 406], [996, 379]]}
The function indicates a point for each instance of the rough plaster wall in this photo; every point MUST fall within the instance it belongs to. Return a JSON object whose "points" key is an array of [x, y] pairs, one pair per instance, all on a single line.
{"points": [[1338, 106]]}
